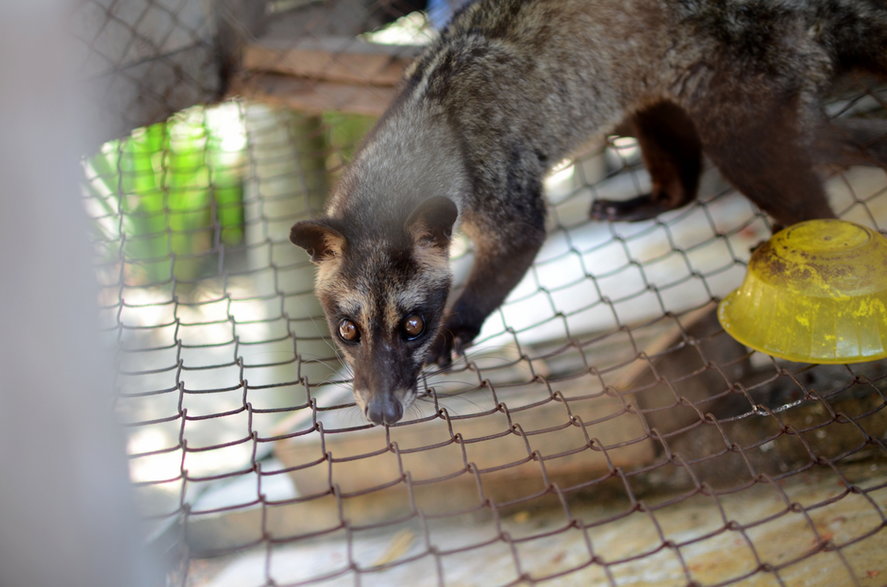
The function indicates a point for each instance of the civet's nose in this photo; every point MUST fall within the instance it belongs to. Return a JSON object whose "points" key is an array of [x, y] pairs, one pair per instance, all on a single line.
{"points": [[384, 409]]}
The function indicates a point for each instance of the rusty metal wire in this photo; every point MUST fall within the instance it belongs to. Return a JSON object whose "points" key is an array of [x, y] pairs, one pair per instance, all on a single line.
{"points": [[604, 430]]}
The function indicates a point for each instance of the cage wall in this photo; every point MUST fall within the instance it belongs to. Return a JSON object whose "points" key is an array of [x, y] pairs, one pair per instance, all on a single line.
{"points": [[604, 429]]}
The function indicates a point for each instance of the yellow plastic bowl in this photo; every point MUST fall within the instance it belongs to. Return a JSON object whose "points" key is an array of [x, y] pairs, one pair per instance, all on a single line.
{"points": [[816, 292]]}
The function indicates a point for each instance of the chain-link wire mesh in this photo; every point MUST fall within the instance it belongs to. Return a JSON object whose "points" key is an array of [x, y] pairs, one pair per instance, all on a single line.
{"points": [[603, 429]]}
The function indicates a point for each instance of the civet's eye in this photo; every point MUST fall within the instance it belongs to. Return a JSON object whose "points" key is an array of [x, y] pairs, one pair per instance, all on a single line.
{"points": [[413, 326], [348, 330]]}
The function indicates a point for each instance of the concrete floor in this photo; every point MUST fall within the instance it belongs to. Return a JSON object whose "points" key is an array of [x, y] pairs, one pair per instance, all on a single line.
{"points": [[801, 533]]}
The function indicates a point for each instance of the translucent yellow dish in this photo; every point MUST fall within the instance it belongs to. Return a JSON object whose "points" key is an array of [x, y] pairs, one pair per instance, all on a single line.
{"points": [[816, 292]]}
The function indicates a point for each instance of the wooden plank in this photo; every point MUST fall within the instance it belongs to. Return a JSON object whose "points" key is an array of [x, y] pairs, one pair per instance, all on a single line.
{"points": [[313, 96], [504, 451], [338, 17], [338, 59]]}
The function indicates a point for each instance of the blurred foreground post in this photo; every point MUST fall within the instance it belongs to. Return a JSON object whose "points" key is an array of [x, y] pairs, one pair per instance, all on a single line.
{"points": [[66, 514]]}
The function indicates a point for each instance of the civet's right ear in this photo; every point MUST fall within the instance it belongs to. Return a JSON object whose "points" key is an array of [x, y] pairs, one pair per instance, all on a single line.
{"points": [[319, 238]]}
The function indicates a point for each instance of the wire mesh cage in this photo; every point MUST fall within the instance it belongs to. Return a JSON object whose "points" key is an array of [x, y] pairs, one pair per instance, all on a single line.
{"points": [[603, 429]]}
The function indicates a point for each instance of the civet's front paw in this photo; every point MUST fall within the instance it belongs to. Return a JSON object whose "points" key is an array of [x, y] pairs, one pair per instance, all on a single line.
{"points": [[454, 337], [639, 208]]}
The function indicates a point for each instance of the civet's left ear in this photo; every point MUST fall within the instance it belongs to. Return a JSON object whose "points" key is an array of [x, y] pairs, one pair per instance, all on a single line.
{"points": [[431, 222]]}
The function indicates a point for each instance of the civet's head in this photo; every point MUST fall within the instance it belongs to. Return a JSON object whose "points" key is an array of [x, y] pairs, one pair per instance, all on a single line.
{"points": [[383, 290]]}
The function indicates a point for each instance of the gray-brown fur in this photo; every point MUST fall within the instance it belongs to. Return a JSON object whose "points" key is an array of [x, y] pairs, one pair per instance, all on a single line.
{"points": [[512, 87]]}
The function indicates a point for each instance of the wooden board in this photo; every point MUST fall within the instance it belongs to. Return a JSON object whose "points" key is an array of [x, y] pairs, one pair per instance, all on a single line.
{"points": [[313, 96], [318, 74], [336, 59], [502, 455]]}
